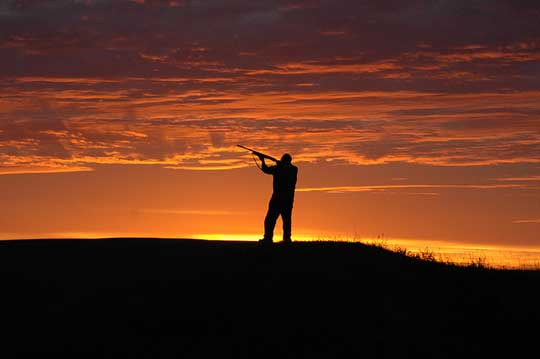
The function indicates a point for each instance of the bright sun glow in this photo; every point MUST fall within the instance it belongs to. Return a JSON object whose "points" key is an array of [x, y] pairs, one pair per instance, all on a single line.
{"points": [[458, 253], [494, 256]]}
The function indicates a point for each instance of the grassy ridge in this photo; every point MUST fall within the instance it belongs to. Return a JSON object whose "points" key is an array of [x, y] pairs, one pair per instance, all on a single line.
{"points": [[186, 298]]}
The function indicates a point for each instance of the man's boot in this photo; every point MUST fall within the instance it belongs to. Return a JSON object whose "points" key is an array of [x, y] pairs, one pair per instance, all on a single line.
{"points": [[265, 241]]}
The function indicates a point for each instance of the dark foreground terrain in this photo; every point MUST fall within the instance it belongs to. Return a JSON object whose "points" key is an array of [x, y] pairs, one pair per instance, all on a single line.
{"points": [[149, 298]]}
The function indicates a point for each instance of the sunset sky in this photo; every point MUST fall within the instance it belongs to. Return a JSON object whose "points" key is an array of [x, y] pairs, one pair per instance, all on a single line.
{"points": [[419, 120]]}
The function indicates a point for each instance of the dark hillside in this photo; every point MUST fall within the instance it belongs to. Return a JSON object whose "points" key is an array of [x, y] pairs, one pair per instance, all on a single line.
{"points": [[150, 298]]}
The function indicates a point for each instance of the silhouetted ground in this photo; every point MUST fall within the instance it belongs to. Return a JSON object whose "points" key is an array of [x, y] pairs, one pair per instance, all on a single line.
{"points": [[149, 298]]}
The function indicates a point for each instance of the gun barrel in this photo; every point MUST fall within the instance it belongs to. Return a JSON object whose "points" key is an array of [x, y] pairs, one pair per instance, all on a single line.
{"points": [[258, 153], [246, 148]]}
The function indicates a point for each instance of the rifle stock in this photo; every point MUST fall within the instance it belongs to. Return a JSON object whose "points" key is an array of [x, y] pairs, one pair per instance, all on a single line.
{"points": [[259, 154]]}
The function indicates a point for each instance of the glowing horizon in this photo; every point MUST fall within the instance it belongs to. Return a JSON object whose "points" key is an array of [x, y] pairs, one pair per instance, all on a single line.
{"points": [[524, 257]]}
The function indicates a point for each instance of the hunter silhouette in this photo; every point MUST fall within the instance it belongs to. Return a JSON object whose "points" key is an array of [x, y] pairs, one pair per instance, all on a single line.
{"points": [[281, 203]]}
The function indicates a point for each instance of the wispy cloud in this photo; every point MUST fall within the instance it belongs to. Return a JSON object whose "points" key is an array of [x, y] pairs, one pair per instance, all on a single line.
{"points": [[527, 221], [36, 169], [180, 130], [520, 179], [310, 68], [193, 212], [375, 188]]}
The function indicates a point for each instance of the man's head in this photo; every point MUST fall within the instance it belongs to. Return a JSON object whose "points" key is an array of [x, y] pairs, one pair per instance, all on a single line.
{"points": [[286, 158]]}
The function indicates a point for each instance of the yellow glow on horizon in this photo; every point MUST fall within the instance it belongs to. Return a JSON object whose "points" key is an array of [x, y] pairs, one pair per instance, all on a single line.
{"points": [[456, 253], [245, 237]]}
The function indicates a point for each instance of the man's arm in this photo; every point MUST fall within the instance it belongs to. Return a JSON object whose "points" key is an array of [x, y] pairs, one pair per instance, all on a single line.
{"points": [[270, 170]]}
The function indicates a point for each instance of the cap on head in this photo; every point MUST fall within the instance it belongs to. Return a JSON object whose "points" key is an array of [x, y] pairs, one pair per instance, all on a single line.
{"points": [[286, 158]]}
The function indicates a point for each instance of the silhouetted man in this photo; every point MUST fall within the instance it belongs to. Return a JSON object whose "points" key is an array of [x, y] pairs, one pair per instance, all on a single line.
{"points": [[281, 203]]}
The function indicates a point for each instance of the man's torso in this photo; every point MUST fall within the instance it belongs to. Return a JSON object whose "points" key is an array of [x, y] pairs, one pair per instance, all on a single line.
{"points": [[285, 182]]}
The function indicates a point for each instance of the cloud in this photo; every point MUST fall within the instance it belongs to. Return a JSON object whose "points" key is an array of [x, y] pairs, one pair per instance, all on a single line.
{"points": [[193, 212], [177, 83], [40, 169], [520, 179], [527, 221], [377, 188], [356, 127], [207, 167], [322, 69]]}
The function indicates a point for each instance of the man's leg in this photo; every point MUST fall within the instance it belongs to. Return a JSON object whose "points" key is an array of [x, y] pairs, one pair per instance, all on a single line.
{"points": [[286, 217], [270, 220]]}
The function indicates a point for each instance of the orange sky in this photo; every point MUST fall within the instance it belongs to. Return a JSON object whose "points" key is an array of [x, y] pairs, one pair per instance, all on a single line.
{"points": [[419, 120]]}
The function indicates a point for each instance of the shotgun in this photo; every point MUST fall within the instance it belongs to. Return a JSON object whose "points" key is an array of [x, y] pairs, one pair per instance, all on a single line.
{"points": [[258, 154]]}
